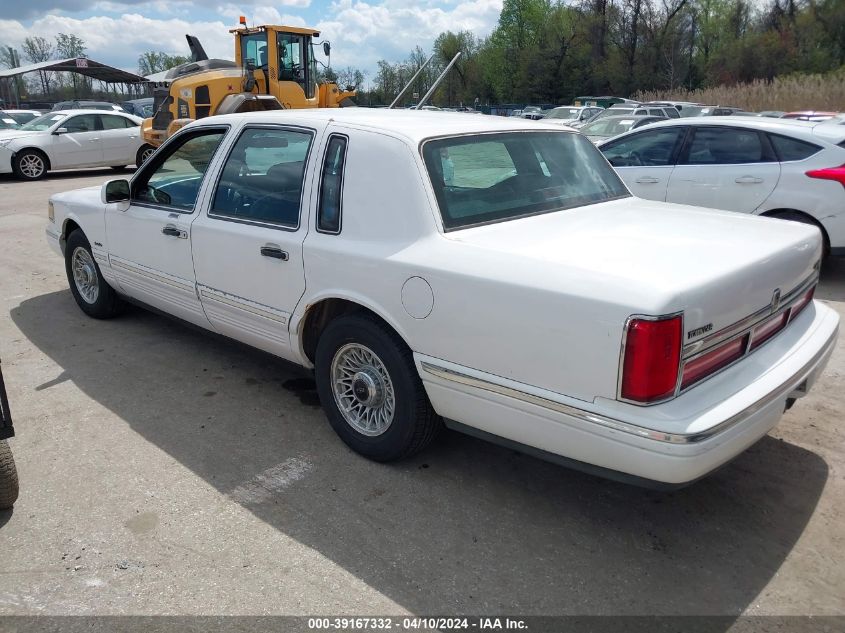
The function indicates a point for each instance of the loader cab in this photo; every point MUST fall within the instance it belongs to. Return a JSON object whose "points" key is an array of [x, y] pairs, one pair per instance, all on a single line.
{"points": [[284, 62]]}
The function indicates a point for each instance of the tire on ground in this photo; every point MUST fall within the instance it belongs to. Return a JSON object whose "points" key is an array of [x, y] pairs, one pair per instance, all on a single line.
{"points": [[8, 477], [143, 154], [414, 423], [30, 164], [107, 304]]}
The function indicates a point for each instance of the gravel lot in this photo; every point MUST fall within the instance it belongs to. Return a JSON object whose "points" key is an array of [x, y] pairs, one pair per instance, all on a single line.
{"points": [[168, 471]]}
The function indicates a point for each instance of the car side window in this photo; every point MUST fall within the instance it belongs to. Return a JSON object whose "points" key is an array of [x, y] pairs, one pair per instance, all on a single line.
{"points": [[672, 112], [81, 123], [651, 148], [726, 146], [173, 177], [263, 177], [792, 149], [112, 122], [331, 186]]}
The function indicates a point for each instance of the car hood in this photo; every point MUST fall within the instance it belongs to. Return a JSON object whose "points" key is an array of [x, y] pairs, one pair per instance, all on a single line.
{"points": [[6, 135], [652, 257]]}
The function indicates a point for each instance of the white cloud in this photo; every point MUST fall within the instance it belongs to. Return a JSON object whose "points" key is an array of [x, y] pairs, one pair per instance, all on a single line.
{"points": [[361, 32]]}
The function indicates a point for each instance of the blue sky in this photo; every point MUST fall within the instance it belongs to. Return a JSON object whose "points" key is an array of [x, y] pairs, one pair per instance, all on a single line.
{"points": [[361, 31]]}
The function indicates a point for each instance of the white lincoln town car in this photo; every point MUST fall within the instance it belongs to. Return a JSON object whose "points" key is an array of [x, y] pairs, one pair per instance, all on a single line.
{"points": [[493, 275]]}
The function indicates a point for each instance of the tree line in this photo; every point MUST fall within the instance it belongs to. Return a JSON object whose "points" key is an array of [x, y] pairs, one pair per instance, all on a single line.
{"points": [[545, 51]]}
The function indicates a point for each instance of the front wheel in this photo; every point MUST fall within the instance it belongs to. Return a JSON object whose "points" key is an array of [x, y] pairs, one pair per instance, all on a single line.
{"points": [[92, 294], [30, 164], [144, 154], [8, 477], [370, 389]]}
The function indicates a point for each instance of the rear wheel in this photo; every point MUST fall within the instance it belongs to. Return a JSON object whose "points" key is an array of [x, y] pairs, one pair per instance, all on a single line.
{"points": [[8, 477], [370, 389], [797, 216], [144, 154], [30, 164], [92, 294]]}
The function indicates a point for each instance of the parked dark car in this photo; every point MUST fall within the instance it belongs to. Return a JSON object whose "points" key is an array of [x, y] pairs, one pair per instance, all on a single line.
{"points": [[139, 107], [8, 472]]}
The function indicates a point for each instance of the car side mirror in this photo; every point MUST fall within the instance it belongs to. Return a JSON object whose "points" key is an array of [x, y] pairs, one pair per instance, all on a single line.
{"points": [[115, 191], [60, 130], [327, 48]]}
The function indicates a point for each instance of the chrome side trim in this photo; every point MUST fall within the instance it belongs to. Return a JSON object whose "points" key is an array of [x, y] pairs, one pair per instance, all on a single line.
{"points": [[779, 393], [243, 304], [143, 271]]}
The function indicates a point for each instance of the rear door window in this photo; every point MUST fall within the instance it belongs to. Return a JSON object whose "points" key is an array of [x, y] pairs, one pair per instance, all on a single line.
{"points": [[727, 146], [262, 179]]}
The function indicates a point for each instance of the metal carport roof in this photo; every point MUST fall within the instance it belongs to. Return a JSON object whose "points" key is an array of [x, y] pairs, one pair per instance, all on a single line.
{"points": [[81, 65]]}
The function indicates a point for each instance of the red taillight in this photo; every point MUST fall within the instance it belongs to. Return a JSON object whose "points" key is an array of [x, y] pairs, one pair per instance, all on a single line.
{"points": [[802, 303], [831, 173], [713, 361], [767, 330], [652, 356]]}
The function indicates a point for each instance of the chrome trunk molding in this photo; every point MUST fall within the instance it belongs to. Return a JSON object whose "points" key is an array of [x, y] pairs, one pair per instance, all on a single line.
{"points": [[781, 392]]}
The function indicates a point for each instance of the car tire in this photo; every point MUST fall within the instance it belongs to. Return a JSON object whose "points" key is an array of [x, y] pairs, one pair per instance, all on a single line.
{"points": [[30, 164], [8, 477], [370, 389], [797, 216], [92, 293], [144, 154]]}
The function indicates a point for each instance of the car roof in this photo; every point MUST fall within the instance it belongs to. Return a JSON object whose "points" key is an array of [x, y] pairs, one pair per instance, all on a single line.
{"points": [[413, 125], [629, 117], [800, 129]]}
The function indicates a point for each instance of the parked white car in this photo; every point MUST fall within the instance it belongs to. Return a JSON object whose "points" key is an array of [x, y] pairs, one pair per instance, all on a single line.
{"points": [[71, 139], [572, 116], [785, 169], [487, 272]]}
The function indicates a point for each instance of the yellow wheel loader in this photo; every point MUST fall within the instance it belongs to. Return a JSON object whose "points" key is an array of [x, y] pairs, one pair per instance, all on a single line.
{"points": [[274, 69]]}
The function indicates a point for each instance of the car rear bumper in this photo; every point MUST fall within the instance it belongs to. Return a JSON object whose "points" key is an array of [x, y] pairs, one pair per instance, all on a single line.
{"points": [[678, 452]]}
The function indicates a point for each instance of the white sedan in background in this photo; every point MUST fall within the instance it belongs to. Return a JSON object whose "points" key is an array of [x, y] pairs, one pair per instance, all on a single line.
{"points": [[791, 170], [71, 139]]}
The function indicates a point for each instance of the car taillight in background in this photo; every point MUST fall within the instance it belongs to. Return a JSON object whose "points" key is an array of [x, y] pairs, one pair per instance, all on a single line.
{"points": [[652, 358], [830, 173]]}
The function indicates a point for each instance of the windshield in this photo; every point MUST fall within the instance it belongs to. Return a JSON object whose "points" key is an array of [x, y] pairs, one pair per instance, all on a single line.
{"points": [[496, 177], [564, 113], [607, 127], [44, 122], [7, 122]]}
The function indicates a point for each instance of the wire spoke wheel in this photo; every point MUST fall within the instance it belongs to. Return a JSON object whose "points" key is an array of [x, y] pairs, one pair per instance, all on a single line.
{"points": [[32, 165], [85, 275], [362, 389]]}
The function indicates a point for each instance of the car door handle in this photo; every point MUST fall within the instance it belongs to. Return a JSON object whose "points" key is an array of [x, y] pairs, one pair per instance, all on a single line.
{"points": [[172, 231], [748, 180], [275, 252], [647, 180]]}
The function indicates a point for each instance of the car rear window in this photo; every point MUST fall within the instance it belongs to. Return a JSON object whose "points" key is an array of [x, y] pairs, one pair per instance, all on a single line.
{"points": [[791, 148], [497, 177]]}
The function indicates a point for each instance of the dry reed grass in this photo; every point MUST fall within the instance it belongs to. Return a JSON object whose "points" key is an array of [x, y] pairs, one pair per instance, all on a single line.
{"points": [[790, 93]]}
